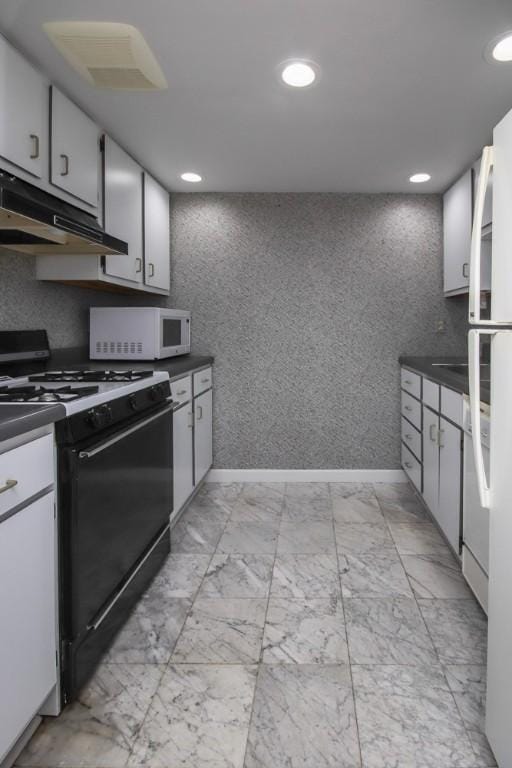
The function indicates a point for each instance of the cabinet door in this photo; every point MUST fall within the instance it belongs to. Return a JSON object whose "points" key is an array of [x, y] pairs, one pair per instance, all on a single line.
{"points": [[28, 609], [183, 456], [202, 435], [450, 481], [123, 210], [74, 150], [457, 223], [24, 109], [430, 460], [157, 271]]}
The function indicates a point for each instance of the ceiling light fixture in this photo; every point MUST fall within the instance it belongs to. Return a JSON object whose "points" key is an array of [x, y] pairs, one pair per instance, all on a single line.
{"points": [[500, 49], [419, 178], [299, 73], [191, 176]]}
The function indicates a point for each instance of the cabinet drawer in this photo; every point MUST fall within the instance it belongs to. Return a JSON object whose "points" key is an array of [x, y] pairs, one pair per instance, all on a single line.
{"points": [[451, 405], [412, 438], [31, 466], [411, 467], [181, 389], [411, 409], [202, 381], [411, 382], [431, 394]]}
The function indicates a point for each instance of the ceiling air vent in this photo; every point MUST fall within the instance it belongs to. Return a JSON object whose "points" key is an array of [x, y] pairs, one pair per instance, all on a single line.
{"points": [[107, 54]]}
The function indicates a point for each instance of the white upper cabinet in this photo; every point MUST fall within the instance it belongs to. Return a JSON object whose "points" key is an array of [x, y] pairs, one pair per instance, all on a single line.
{"points": [[487, 217], [23, 113], [458, 217], [156, 234], [457, 227], [123, 211], [74, 150]]}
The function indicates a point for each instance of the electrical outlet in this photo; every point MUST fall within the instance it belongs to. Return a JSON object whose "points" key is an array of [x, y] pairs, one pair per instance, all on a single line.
{"points": [[441, 326]]}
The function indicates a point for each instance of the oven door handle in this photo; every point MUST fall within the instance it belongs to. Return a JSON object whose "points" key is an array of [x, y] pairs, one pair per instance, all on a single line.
{"points": [[116, 438]]}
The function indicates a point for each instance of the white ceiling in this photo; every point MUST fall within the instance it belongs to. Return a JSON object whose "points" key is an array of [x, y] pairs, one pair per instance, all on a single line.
{"points": [[404, 88]]}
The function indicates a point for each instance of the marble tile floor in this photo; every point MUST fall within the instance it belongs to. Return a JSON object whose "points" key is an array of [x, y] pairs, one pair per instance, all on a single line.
{"points": [[307, 625]]}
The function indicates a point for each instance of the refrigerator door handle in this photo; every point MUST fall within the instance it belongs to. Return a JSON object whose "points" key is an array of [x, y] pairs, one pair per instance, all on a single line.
{"points": [[484, 490], [476, 238]]}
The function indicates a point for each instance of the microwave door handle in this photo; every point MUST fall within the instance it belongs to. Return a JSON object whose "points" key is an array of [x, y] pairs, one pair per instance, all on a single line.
{"points": [[475, 259], [474, 403]]}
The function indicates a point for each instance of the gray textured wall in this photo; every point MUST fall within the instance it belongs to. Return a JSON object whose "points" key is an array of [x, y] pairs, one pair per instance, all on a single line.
{"points": [[63, 310], [306, 301]]}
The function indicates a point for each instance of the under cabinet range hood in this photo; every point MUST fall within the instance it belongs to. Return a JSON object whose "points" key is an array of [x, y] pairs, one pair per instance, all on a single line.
{"points": [[34, 222]]}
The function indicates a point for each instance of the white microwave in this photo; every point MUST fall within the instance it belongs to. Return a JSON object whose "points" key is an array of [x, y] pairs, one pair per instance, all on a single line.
{"points": [[138, 333]]}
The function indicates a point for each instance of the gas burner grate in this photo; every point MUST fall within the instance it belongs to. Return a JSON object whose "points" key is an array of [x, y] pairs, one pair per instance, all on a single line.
{"points": [[115, 376], [34, 394]]}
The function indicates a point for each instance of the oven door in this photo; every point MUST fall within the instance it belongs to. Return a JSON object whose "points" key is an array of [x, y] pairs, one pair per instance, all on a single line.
{"points": [[174, 335], [119, 500]]}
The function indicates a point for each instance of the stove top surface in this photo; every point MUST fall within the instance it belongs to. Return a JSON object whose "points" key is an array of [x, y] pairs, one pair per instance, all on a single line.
{"points": [[35, 394], [92, 375]]}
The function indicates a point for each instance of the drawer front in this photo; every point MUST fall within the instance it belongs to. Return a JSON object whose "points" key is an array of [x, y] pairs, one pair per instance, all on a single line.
{"points": [[451, 405], [431, 394], [412, 438], [411, 382], [411, 467], [411, 409], [203, 380], [24, 471], [181, 389]]}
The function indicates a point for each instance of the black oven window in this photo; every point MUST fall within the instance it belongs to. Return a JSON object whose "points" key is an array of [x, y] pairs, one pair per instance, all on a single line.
{"points": [[172, 333]]}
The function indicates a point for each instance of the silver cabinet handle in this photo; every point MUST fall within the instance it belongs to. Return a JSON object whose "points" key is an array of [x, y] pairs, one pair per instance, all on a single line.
{"points": [[151, 269], [190, 419], [138, 262], [432, 432], [440, 432], [465, 269], [8, 485], [408, 464], [408, 382], [408, 437], [205, 381], [407, 408], [35, 146], [181, 392], [199, 412], [65, 158]]}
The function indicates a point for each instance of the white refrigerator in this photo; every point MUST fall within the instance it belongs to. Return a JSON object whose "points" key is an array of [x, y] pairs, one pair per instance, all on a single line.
{"points": [[495, 479]]}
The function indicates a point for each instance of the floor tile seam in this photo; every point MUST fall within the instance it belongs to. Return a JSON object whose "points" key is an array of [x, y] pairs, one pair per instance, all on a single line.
{"points": [[259, 663], [417, 597], [459, 710], [346, 639], [142, 722]]}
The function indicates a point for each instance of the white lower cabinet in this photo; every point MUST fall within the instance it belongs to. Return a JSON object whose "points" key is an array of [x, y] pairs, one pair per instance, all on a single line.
{"points": [[192, 434], [203, 449], [183, 455], [28, 669], [450, 482], [431, 459]]}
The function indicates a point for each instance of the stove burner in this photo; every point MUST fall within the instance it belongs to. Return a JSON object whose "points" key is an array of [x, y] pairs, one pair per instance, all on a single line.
{"points": [[91, 376], [43, 395]]}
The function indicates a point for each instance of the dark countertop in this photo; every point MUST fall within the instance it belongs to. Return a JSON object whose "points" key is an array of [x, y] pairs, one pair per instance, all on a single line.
{"points": [[18, 418], [78, 357], [457, 381]]}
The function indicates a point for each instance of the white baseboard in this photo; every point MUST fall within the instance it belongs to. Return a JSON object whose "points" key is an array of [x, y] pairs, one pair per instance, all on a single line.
{"points": [[306, 476]]}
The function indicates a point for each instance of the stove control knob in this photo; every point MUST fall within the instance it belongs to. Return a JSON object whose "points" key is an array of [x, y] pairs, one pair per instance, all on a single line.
{"points": [[133, 403], [93, 418], [155, 393], [106, 413]]}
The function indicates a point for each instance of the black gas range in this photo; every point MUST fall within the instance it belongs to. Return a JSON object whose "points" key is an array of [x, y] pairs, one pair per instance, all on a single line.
{"points": [[114, 480]]}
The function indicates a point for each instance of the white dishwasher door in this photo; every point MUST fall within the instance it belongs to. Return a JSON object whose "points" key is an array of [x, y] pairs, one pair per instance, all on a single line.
{"points": [[27, 608]]}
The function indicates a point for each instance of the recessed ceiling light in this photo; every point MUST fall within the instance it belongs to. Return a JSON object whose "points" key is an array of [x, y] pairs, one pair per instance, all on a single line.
{"points": [[299, 73], [419, 178], [192, 177], [500, 49]]}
